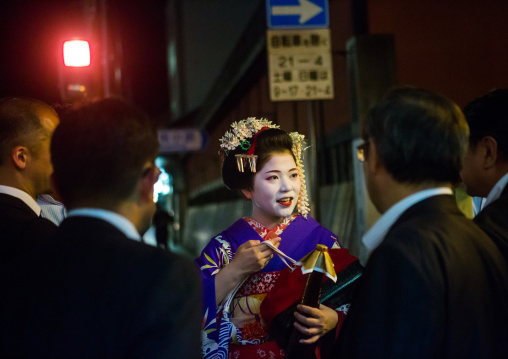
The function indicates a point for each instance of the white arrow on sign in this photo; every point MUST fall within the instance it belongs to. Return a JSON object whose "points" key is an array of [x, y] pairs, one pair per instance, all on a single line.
{"points": [[307, 10]]}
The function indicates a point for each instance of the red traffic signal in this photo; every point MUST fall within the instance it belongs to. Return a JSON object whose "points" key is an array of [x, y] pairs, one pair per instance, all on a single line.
{"points": [[76, 53]]}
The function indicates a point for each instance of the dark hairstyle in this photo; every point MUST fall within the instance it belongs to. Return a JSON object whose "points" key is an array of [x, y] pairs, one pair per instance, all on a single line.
{"points": [[488, 116], [99, 151], [20, 124], [268, 143], [419, 135]]}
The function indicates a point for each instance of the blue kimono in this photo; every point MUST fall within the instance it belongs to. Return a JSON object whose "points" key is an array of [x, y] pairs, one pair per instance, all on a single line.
{"points": [[244, 328]]}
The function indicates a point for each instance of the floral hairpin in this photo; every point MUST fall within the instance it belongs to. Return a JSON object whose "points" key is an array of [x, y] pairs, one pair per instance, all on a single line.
{"points": [[242, 136], [242, 131]]}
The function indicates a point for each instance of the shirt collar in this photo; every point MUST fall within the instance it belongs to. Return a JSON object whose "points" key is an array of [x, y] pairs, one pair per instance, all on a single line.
{"points": [[496, 191], [118, 221], [376, 234], [46, 198], [22, 195]]}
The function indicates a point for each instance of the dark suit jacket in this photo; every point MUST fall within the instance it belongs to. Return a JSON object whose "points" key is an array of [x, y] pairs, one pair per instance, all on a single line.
{"points": [[435, 288], [20, 228], [493, 219], [94, 293]]}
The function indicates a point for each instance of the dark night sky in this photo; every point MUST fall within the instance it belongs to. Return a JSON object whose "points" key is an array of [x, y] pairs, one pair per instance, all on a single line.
{"points": [[31, 33]]}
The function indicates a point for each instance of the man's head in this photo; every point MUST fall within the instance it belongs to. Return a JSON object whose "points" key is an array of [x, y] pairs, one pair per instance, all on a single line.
{"points": [[103, 154], [26, 127], [487, 157], [418, 137]]}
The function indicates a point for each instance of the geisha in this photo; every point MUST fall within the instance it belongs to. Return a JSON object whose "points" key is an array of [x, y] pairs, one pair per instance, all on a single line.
{"points": [[238, 269]]}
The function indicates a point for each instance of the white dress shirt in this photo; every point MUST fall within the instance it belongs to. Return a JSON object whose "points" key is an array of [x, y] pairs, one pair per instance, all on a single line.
{"points": [[118, 221], [376, 234], [51, 209], [22, 195], [496, 191]]}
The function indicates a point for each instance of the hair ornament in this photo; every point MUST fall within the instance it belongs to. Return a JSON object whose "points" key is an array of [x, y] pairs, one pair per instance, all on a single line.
{"points": [[243, 161], [298, 147], [243, 130], [238, 137]]}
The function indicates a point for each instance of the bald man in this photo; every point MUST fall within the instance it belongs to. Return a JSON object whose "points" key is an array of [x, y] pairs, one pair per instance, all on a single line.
{"points": [[26, 127]]}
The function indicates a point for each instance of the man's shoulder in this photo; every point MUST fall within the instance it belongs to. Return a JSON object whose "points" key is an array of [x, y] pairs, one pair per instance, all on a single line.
{"points": [[435, 222], [493, 221], [14, 207], [498, 208], [92, 236], [19, 222], [92, 233]]}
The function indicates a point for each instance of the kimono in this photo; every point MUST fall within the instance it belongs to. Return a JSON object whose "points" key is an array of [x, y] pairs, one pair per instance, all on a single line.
{"points": [[242, 331]]}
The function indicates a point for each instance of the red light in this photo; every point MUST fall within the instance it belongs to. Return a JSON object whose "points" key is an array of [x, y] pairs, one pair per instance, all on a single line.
{"points": [[76, 53]]}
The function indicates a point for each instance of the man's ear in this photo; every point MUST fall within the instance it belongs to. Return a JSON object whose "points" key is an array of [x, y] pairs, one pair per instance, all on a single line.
{"points": [[247, 193], [19, 156], [373, 160], [488, 148], [146, 183]]}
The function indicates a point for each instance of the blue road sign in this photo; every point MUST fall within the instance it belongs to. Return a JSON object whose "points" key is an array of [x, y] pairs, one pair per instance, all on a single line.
{"points": [[297, 14]]}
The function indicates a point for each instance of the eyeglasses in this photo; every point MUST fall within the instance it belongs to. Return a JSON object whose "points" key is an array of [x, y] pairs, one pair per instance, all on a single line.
{"points": [[360, 151]]}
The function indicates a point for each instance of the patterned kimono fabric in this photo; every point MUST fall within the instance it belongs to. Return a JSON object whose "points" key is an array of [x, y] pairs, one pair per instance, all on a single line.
{"points": [[238, 332]]}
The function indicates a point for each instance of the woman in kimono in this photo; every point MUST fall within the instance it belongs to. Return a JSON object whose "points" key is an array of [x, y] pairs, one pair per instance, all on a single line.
{"points": [[237, 267]]}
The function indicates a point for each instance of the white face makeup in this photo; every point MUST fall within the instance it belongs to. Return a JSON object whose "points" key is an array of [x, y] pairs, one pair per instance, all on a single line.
{"points": [[276, 190]]}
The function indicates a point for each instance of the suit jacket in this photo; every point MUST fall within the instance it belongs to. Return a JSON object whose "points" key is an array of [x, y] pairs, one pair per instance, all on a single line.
{"points": [[20, 228], [436, 287], [94, 293], [493, 219]]}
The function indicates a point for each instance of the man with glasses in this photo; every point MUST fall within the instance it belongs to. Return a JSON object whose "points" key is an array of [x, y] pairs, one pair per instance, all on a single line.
{"points": [[434, 286], [97, 291]]}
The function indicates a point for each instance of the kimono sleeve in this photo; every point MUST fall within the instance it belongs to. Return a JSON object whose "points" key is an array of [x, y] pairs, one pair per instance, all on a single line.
{"points": [[215, 256]]}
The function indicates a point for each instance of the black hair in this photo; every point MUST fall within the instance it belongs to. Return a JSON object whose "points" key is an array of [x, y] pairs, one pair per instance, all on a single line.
{"points": [[99, 150], [268, 142], [488, 116], [419, 135]]}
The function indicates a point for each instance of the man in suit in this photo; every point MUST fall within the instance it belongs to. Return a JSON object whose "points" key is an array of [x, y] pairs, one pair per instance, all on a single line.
{"points": [[485, 171], [26, 126], [434, 286], [97, 291]]}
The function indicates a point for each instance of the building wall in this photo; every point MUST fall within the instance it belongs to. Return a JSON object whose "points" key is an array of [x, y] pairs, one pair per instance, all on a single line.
{"points": [[291, 116], [458, 48]]}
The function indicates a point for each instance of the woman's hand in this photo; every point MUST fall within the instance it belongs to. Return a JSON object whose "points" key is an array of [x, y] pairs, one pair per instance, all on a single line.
{"points": [[316, 322], [249, 258], [252, 256]]}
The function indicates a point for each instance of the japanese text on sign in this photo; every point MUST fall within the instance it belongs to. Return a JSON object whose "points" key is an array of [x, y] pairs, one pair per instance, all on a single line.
{"points": [[300, 64]]}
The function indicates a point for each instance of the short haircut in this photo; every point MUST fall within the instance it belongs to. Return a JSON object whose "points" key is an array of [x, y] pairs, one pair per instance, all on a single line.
{"points": [[419, 135], [20, 125], [488, 116], [99, 151], [268, 142]]}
